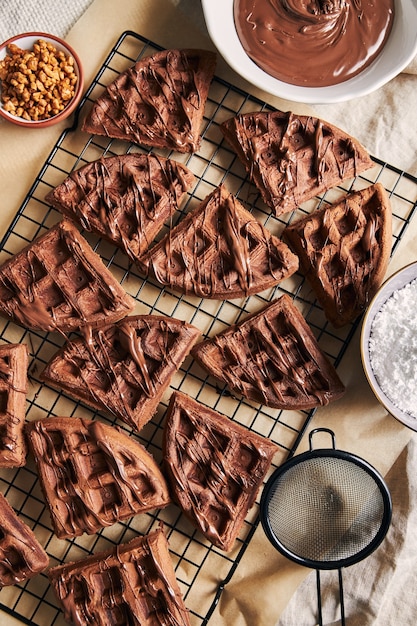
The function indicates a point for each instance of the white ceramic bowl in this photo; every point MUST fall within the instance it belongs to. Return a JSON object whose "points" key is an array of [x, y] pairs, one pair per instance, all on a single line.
{"points": [[397, 53], [396, 282], [25, 42]]}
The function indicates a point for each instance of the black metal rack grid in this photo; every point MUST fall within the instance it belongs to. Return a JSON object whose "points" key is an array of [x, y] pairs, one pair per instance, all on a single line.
{"points": [[195, 559]]}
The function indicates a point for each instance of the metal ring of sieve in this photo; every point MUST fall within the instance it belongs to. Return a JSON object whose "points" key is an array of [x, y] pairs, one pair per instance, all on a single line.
{"points": [[326, 509]]}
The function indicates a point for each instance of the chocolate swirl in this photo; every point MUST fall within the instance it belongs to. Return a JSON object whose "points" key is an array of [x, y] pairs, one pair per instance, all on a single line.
{"points": [[21, 555], [58, 283], [134, 583], [313, 43], [124, 368], [93, 474], [125, 198], [272, 357], [158, 102], [219, 250], [344, 251], [13, 389], [215, 467]]}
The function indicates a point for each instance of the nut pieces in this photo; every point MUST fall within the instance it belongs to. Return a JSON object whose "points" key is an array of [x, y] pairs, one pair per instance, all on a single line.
{"points": [[38, 84]]}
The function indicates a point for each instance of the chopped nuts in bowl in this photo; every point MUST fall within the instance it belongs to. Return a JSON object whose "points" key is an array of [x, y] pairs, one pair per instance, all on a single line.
{"points": [[41, 80]]}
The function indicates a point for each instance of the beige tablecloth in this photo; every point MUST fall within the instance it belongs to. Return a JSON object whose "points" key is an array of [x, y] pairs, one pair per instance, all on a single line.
{"points": [[386, 123]]}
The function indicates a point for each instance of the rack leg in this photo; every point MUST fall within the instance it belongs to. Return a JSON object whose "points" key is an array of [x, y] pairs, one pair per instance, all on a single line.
{"points": [[342, 600], [319, 606]]}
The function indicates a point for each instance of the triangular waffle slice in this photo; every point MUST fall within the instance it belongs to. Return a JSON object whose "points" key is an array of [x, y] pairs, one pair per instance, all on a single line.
{"points": [[292, 158], [13, 389], [158, 102], [219, 251], [215, 467], [344, 251], [93, 474], [133, 583], [22, 556], [59, 283], [126, 199], [273, 358], [124, 368]]}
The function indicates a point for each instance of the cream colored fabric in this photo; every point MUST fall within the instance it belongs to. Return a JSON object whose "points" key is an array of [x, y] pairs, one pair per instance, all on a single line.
{"points": [[48, 16], [386, 122]]}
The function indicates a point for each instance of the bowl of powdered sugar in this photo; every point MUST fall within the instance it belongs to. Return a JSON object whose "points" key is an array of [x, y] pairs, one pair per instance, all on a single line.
{"points": [[389, 345]]}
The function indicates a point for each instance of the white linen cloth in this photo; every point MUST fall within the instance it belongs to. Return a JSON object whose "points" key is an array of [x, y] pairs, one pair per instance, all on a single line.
{"points": [[47, 16]]}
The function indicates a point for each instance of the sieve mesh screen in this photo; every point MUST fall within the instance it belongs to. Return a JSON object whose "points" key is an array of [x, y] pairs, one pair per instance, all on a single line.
{"points": [[325, 509]]}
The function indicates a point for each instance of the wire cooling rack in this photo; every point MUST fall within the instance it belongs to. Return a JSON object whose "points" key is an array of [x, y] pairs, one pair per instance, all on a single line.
{"points": [[202, 570]]}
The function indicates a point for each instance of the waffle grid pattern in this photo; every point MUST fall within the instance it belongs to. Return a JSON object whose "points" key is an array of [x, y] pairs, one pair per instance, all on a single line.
{"points": [[35, 603]]}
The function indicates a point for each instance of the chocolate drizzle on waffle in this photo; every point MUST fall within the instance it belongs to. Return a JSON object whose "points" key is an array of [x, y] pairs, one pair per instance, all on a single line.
{"points": [[124, 368], [158, 102], [125, 199], [215, 467], [21, 555], [272, 358], [13, 389], [344, 251], [59, 283], [134, 583], [292, 158], [220, 251], [93, 474]]}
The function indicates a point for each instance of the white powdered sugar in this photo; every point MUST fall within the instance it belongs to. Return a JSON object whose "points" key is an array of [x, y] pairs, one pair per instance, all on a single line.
{"points": [[393, 348]]}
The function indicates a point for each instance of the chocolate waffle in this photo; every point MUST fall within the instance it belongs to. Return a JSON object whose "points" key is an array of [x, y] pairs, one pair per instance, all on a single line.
{"points": [[219, 251], [132, 584], [93, 474], [273, 358], [125, 368], [58, 282], [158, 102], [21, 555], [215, 467], [126, 199], [292, 158], [344, 251], [13, 389]]}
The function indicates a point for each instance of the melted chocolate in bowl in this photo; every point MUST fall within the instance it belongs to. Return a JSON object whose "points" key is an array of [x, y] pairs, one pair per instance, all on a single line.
{"points": [[313, 43]]}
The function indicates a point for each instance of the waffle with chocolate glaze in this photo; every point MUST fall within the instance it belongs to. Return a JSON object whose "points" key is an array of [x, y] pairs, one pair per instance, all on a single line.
{"points": [[219, 251], [126, 199], [58, 282], [93, 474], [131, 584], [344, 251], [215, 467], [273, 358], [21, 555], [292, 158], [124, 368], [13, 389], [157, 102]]}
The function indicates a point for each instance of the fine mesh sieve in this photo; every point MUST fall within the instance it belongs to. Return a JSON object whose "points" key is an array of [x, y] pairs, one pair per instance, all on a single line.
{"points": [[326, 509]]}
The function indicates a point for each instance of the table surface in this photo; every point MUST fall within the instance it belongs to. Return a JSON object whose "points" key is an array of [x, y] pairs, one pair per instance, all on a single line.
{"points": [[361, 425]]}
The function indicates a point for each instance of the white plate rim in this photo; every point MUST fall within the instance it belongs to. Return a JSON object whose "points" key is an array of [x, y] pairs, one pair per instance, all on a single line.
{"points": [[396, 281]]}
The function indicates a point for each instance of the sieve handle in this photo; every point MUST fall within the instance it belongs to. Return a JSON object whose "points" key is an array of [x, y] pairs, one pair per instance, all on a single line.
{"points": [[321, 430], [341, 599]]}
